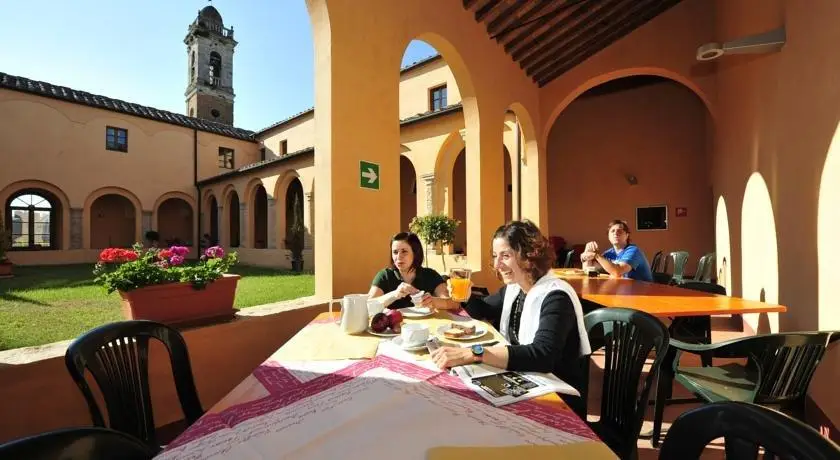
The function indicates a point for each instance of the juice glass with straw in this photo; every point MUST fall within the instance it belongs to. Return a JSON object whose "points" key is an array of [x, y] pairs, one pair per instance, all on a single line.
{"points": [[459, 279]]}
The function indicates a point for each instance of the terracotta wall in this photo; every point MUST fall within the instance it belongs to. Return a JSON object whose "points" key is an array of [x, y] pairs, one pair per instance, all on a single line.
{"points": [[656, 132], [40, 396], [778, 118]]}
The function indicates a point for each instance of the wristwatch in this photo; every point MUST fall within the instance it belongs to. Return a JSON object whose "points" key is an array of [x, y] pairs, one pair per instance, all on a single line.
{"points": [[478, 353]]}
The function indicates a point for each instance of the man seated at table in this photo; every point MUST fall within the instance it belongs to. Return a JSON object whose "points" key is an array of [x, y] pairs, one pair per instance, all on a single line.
{"points": [[623, 259]]}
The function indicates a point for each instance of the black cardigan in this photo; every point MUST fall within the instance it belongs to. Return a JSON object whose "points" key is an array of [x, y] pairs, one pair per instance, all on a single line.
{"points": [[556, 345]]}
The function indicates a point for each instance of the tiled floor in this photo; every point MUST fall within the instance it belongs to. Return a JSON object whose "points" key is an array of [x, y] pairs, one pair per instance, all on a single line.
{"points": [[722, 329]]}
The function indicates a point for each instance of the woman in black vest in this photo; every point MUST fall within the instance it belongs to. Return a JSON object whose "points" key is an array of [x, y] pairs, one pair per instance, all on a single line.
{"points": [[407, 276]]}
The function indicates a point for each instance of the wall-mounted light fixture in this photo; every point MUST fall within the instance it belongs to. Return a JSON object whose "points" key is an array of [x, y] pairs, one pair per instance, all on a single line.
{"points": [[754, 44]]}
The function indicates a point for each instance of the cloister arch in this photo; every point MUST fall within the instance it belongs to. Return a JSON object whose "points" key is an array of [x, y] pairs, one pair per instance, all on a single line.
{"points": [[117, 220]]}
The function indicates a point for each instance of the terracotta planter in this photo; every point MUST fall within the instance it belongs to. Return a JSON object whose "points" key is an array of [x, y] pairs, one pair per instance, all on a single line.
{"points": [[179, 302], [6, 270]]}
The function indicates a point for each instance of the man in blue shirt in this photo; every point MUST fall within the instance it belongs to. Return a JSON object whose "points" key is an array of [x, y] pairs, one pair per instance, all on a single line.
{"points": [[623, 259]]}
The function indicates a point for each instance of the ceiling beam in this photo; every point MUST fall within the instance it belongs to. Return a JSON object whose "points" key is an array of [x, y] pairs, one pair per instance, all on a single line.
{"points": [[469, 4], [604, 41], [547, 41], [507, 16], [580, 32], [538, 22], [484, 10]]}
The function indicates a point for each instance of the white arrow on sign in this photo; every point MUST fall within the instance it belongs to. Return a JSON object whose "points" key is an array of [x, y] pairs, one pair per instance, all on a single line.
{"points": [[370, 175]]}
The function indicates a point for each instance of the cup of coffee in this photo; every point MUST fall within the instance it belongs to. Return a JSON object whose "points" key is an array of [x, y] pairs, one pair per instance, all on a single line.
{"points": [[417, 298], [414, 334]]}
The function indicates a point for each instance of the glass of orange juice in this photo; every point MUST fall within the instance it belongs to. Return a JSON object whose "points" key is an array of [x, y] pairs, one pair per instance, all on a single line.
{"points": [[459, 279]]}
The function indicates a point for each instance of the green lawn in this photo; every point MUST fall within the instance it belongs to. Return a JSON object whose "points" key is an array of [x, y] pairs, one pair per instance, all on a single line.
{"points": [[52, 303]]}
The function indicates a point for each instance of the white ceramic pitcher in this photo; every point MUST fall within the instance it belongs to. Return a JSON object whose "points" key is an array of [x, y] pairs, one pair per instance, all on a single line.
{"points": [[354, 313]]}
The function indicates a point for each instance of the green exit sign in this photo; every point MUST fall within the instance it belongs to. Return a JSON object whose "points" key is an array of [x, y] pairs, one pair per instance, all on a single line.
{"points": [[369, 175]]}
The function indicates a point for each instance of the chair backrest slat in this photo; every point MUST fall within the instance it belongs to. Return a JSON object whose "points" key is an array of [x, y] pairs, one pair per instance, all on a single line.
{"points": [[117, 356]]}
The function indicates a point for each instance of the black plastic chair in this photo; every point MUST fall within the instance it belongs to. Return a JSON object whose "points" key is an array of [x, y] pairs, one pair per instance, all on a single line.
{"points": [[117, 355], [87, 443], [654, 265], [627, 336], [695, 329], [778, 371], [744, 428]]}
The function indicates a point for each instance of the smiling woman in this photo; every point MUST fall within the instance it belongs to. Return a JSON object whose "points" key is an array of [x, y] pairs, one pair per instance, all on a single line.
{"points": [[539, 314]]}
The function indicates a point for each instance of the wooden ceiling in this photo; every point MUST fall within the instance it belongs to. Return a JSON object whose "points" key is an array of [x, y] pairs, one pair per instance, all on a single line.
{"points": [[549, 37]]}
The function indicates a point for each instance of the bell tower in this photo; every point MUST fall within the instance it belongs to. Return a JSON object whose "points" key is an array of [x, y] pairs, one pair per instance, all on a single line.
{"points": [[210, 58]]}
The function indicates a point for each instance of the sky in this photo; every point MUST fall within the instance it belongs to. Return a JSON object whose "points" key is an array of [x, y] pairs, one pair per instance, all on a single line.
{"points": [[135, 51]]}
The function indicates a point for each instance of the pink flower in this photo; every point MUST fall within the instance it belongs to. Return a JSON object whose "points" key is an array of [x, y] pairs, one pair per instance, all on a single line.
{"points": [[180, 250], [176, 260], [214, 252]]}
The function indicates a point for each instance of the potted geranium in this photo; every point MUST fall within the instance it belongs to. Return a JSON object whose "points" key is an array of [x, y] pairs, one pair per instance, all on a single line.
{"points": [[435, 230], [159, 285], [5, 244]]}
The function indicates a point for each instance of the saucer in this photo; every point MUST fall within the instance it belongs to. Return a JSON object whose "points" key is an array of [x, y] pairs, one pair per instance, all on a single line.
{"points": [[416, 312], [399, 342], [386, 333]]}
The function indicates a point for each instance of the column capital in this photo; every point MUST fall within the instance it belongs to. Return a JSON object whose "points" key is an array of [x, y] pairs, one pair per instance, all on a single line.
{"points": [[463, 133], [428, 177]]}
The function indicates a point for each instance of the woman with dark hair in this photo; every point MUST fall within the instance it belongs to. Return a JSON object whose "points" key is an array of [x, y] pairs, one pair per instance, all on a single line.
{"points": [[539, 314], [407, 276]]}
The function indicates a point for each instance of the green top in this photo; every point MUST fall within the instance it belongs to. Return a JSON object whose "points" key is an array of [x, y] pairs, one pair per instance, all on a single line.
{"points": [[389, 280]]}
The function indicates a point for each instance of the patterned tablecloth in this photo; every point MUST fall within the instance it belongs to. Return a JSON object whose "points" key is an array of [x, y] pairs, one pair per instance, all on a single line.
{"points": [[395, 405]]}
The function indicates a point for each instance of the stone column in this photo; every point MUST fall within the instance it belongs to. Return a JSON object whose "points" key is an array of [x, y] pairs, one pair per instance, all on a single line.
{"points": [[76, 228], [243, 225], [272, 224], [429, 182], [147, 225], [308, 219]]}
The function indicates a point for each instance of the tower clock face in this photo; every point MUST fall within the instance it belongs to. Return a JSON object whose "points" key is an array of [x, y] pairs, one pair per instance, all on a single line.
{"points": [[215, 113]]}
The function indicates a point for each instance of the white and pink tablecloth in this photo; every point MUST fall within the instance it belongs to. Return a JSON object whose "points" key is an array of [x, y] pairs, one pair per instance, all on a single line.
{"points": [[392, 406]]}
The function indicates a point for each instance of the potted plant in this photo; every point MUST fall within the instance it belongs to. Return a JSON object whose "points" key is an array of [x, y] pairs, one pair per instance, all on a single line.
{"points": [[435, 229], [296, 240], [157, 284], [5, 244]]}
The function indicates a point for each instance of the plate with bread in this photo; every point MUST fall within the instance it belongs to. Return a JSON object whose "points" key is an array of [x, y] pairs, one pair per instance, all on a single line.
{"points": [[462, 331]]}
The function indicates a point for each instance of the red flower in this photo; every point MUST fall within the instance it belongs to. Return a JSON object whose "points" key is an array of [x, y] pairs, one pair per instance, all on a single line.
{"points": [[117, 255]]}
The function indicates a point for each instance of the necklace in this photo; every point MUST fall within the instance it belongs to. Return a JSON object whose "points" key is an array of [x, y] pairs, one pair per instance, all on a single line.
{"points": [[516, 317]]}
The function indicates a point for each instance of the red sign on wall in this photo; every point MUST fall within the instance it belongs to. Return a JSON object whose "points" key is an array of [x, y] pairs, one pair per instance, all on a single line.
{"points": [[682, 212]]}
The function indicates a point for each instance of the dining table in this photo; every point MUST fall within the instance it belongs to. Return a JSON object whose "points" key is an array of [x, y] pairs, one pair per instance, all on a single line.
{"points": [[326, 394], [661, 300]]}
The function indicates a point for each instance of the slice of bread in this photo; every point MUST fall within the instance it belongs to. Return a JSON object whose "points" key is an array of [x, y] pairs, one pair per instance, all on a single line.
{"points": [[453, 333], [469, 329]]}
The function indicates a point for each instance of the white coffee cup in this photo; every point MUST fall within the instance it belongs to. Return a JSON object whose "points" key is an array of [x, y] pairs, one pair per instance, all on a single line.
{"points": [[417, 298], [375, 306], [414, 334]]}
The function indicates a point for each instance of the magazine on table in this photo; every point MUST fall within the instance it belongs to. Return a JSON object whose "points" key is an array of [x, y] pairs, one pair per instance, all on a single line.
{"points": [[501, 387]]}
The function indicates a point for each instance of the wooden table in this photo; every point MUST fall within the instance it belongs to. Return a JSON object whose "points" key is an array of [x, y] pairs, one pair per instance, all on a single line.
{"points": [[395, 404], [660, 299]]}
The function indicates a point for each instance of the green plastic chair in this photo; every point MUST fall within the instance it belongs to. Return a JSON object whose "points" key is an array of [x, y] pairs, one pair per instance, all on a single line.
{"points": [[680, 258], [778, 371], [627, 336], [744, 427], [705, 268]]}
